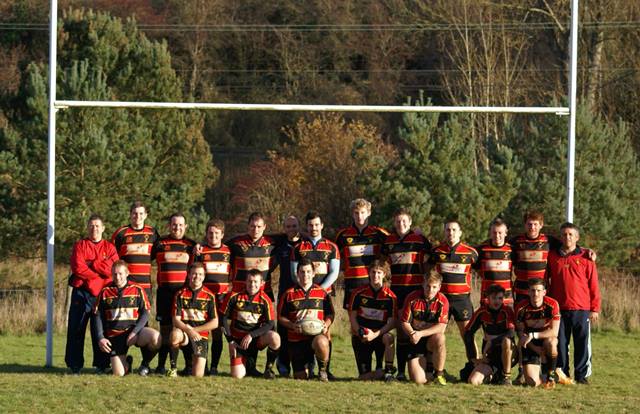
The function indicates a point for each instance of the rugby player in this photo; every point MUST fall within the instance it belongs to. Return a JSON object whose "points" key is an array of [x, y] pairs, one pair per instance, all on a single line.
{"points": [[424, 319], [134, 243], [372, 315], [359, 244], [498, 324], [453, 260], [91, 261], [193, 316], [407, 252], [306, 300], [173, 257], [120, 317], [248, 319], [216, 257], [538, 322], [495, 262], [573, 282]]}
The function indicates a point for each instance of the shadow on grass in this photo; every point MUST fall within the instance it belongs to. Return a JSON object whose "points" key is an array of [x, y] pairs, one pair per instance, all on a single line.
{"points": [[30, 369]]}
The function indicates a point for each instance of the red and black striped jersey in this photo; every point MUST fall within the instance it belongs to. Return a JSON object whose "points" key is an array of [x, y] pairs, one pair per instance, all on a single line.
{"points": [[454, 265], [135, 247], [373, 308], [493, 321], [247, 313], [120, 308], [494, 268], [321, 255], [173, 257], [247, 255], [297, 304], [359, 248], [537, 319], [407, 256], [529, 259], [217, 267], [195, 308], [418, 309]]}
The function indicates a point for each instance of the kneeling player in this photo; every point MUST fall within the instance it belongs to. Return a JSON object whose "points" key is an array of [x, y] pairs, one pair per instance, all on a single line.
{"points": [[372, 314], [306, 302], [538, 322], [248, 321], [120, 315], [424, 319], [498, 323], [194, 315]]}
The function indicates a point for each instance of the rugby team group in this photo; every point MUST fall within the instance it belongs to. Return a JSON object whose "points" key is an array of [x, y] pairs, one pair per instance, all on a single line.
{"points": [[537, 291]]}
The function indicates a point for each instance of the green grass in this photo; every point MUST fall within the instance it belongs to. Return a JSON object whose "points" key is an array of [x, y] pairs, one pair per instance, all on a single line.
{"points": [[28, 387]]}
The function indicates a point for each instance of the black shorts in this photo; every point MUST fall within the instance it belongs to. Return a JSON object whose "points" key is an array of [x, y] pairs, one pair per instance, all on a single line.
{"points": [[529, 356], [402, 292], [460, 307], [199, 349], [301, 353], [349, 286], [251, 352], [119, 344], [164, 303], [419, 349], [363, 352]]}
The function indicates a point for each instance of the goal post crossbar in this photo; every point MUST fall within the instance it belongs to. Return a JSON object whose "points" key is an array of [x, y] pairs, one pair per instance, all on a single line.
{"points": [[558, 110]]}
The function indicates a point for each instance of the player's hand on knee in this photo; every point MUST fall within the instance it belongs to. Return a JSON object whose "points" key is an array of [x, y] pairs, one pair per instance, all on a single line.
{"points": [[105, 345], [246, 341]]}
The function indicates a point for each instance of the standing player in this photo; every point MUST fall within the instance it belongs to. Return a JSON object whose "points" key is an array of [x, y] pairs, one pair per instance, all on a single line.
{"points": [[173, 257], [372, 315], [248, 319], [359, 244], [407, 252], [453, 260], [134, 243], [573, 282], [424, 319], [306, 301], [498, 324], [91, 261], [254, 250], [537, 322], [193, 316], [120, 316], [216, 258], [495, 261]]}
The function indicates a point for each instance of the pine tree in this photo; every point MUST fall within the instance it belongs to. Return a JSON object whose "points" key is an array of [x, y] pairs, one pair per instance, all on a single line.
{"points": [[106, 158], [438, 176], [607, 181]]}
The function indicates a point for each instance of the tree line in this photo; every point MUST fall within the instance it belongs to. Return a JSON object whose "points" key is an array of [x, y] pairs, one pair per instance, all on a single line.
{"points": [[379, 52]]}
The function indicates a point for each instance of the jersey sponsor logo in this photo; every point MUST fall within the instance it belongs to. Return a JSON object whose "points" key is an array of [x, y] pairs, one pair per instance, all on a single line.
{"points": [[307, 313], [137, 248], [176, 257], [216, 267], [496, 265], [531, 255], [194, 315], [452, 268], [402, 258], [122, 314], [373, 314], [248, 317], [260, 263], [361, 250]]}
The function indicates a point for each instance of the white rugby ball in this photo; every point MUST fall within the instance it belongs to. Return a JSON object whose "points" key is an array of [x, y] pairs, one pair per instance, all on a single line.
{"points": [[311, 326]]}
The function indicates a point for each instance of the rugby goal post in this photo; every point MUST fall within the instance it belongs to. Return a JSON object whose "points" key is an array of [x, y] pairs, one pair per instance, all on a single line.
{"points": [[55, 105]]}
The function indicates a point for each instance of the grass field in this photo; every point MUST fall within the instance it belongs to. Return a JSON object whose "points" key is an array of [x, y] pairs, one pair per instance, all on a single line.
{"points": [[25, 386]]}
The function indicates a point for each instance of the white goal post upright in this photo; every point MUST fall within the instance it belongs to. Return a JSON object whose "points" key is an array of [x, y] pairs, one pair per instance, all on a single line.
{"points": [[62, 104]]}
